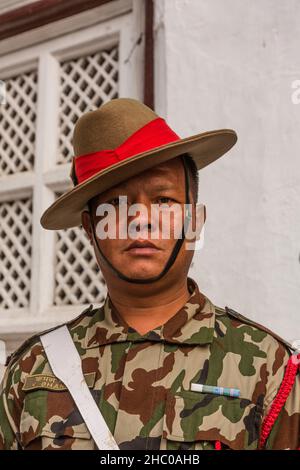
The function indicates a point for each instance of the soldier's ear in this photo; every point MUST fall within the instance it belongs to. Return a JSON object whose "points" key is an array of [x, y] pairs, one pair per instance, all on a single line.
{"points": [[200, 226], [200, 213], [195, 232], [85, 220]]}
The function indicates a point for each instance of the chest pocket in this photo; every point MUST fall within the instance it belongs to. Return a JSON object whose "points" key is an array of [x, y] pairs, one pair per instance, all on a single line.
{"points": [[195, 421], [51, 421]]}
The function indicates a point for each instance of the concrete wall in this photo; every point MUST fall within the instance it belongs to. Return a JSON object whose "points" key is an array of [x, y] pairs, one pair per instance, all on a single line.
{"points": [[231, 64]]}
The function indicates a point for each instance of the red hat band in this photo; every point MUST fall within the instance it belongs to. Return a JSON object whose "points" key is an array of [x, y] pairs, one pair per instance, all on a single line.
{"points": [[154, 134]]}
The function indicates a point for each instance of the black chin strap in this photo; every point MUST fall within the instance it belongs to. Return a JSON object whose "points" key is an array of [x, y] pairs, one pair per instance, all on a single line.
{"points": [[175, 250]]}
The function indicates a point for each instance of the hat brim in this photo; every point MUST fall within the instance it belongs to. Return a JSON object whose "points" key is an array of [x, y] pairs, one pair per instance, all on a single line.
{"points": [[204, 148]]}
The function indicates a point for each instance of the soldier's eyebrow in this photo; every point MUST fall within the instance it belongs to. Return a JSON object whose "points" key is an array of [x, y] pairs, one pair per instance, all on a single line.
{"points": [[163, 187], [155, 186]]}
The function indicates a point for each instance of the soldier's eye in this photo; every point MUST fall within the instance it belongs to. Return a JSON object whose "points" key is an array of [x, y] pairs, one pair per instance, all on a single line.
{"points": [[117, 201], [165, 200]]}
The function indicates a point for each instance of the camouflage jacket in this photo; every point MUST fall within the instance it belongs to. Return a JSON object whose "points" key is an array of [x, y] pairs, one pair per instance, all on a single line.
{"points": [[142, 384]]}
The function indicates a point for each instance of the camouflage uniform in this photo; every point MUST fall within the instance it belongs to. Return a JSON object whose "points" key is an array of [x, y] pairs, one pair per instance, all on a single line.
{"points": [[142, 384]]}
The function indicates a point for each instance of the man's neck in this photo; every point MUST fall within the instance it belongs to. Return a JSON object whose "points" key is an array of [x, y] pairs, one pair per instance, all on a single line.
{"points": [[143, 312]]}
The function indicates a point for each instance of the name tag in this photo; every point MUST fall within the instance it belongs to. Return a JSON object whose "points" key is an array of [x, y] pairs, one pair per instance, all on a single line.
{"points": [[52, 383]]}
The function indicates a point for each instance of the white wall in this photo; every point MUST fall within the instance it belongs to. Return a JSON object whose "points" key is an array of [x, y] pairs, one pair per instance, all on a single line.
{"points": [[231, 64]]}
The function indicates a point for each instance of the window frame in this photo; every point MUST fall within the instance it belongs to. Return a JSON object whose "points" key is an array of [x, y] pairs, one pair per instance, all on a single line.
{"points": [[47, 177]]}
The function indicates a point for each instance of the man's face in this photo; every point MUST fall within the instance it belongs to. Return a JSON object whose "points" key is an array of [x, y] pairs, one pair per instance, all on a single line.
{"points": [[161, 187]]}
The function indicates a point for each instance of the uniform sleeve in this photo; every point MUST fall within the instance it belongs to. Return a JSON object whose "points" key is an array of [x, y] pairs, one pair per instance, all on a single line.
{"points": [[8, 428], [285, 432]]}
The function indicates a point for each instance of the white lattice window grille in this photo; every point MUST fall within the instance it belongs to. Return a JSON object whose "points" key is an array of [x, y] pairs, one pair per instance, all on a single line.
{"points": [[49, 85], [86, 82], [78, 279], [15, 253], [17, 124]]}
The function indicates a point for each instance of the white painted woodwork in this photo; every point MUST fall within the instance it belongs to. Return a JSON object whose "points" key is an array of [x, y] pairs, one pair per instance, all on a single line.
{"points": [[53, 75]]}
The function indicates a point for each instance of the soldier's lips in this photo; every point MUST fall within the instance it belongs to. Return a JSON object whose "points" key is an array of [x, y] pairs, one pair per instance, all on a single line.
{"points": [[146, 251]]}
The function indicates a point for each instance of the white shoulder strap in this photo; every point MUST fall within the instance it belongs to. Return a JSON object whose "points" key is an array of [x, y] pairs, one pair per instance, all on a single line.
{"points": [[65, 363]]}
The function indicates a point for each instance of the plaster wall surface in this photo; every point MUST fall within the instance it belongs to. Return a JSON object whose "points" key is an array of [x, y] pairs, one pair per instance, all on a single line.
{"points": [[231, 64]]}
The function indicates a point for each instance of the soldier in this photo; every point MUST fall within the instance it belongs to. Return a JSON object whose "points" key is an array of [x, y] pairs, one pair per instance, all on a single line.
{"points": [[166, 367]]}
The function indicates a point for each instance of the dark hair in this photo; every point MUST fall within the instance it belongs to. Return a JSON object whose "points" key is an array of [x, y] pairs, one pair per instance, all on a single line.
{"points": [[194, 175]]}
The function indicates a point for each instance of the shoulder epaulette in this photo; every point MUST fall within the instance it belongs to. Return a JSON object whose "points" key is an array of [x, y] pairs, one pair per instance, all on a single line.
{"points": [[11, 359], [244, 319]]}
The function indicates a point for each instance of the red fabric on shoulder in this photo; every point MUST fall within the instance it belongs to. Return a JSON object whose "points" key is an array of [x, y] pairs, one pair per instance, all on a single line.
{"points": [[285, 388]]}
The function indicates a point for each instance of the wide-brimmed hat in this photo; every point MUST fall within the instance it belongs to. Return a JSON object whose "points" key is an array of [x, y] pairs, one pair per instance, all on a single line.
{"points": [[121, 139]]}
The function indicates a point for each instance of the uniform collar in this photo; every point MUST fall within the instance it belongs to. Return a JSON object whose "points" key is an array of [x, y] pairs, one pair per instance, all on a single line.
{"points": [[192, 324]]}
